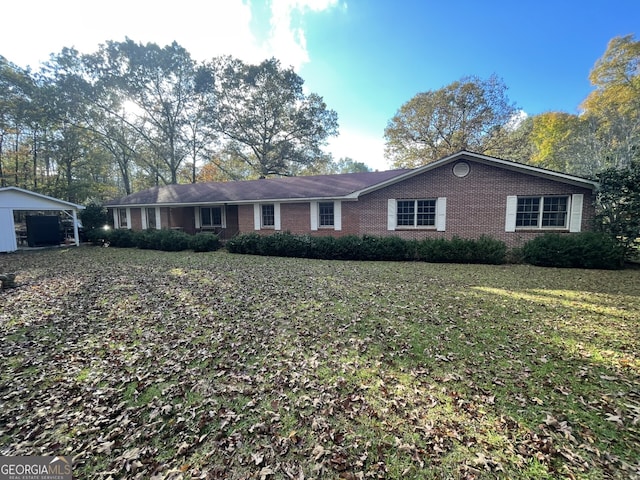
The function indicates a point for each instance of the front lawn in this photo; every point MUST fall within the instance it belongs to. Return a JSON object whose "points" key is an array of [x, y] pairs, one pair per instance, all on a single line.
{"points": [[146, 364]]}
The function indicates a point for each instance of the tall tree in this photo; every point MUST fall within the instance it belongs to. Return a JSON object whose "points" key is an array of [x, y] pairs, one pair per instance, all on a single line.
{"points": [[267, 118], [158, 84], [618, 204], [64, 97], [349, 165], [17, 115], [468, 114], [615, 101]]}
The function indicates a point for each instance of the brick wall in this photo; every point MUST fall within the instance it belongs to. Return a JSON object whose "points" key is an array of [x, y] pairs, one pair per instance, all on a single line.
{"points": [[295, 218], [476, 203]]}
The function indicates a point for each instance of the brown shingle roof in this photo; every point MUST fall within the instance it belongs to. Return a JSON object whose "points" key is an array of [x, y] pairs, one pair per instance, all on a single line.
{"points": [[287, 188]]}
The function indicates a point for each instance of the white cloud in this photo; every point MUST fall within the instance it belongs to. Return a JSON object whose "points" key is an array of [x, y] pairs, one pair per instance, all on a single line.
{"points": [[516, 120], [287, 38], [361, 147], [205, 28]]}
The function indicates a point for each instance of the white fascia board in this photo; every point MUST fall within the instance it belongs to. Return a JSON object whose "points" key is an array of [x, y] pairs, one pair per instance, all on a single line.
{"points": [[349, 197]]}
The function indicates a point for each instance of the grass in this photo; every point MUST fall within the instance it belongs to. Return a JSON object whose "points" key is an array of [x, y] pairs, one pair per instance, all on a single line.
{"points": [[143, 363]]}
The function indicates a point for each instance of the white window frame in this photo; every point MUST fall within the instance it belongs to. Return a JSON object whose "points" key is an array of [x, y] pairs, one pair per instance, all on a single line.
{"points": [[333, 215], [314, 212], [117, 218], [573, 219], [199, 223], [440, 221], [257, 217], [145, 217]]}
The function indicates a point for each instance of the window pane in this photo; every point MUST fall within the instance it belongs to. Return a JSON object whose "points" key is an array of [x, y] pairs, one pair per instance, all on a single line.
{"points": [[205, 217], [426, 212], [216, 216], [268, 216], [528, 211], [406, 212], [554, 212], [151, 218], [325, 210], [211, 217], [122, 218]]}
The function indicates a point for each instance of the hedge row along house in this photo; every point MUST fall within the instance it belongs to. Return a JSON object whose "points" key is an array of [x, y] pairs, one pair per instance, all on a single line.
{"points": [[465, 195]]}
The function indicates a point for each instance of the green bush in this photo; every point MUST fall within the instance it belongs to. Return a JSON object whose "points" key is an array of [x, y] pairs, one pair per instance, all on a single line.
{"points": [[94, 215], [368, 247], [460, 250], [578, 250], [246, 243], [99, 236], [148, 240], [436, 250], [121, 238], [383, 248], [348, 248], [489, 250], [322, 247], [174, 240], [205, 242]]}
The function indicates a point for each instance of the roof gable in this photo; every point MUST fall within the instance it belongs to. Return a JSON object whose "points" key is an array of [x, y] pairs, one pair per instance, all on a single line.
{"points": [[20, 199], [488, 160]]}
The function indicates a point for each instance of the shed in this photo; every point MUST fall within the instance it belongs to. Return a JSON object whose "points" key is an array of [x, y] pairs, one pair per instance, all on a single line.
{"points": [[14, 198]]}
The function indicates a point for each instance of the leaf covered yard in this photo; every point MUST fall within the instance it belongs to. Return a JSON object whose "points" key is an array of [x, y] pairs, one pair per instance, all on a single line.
{"points": [[146, 364]]}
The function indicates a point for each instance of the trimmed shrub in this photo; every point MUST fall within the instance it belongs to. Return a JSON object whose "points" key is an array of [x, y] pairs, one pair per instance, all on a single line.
{"points": [[383, 248], [322, 247], [352, 247], [148, 240], [578, 250], [205, 242], [98, 236], [347, 248], [174, 240], [489, 250], [121, 238], [245, 243]]}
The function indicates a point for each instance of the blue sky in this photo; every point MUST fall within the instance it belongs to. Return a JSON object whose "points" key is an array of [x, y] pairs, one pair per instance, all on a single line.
{"points": [[365, 57]]}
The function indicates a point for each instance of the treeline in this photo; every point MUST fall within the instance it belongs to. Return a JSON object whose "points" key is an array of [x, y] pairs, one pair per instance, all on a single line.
{"points": [[477, 115], [130, 116]]}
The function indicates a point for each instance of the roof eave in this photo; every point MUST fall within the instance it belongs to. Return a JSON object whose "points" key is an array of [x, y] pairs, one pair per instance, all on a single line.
{"points": [[349, 197]]}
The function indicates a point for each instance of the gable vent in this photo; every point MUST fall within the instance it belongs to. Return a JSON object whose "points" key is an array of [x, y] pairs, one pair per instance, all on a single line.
{"points": [[461, 169]]}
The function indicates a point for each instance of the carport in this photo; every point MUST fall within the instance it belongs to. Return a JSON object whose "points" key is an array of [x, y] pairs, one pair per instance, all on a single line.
{"points": [[14, 198]]}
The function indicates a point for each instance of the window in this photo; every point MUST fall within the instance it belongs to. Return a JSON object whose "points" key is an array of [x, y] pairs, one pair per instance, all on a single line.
{"points": [[542, 212], [211, 217], [325, 212], [122, 218], [416, 213], [151, 218], [268, 216]]}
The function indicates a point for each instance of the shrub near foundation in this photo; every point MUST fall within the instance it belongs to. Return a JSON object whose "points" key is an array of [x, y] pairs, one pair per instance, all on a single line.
{"points": [[367, 247], [205, 242], [579, 250], [166, 240]]}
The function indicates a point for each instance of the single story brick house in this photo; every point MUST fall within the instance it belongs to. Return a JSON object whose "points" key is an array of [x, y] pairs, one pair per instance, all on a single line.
{"points": [[465, 195]]}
